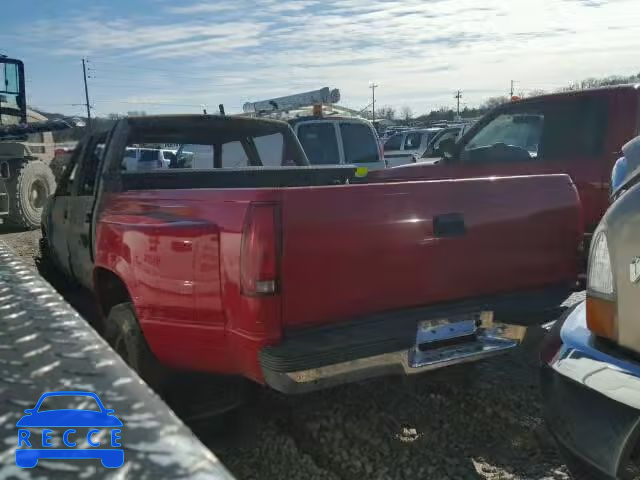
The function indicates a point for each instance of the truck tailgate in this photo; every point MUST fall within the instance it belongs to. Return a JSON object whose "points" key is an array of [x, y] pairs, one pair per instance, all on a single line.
{"points": [[358, 249]]}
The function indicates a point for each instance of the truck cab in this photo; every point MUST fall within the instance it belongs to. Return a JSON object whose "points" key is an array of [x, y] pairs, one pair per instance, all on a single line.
{"points": [[578, 133]]}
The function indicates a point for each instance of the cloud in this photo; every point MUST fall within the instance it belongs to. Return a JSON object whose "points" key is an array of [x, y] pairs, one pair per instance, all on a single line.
{"points": [[201, 8], [416, 50]]}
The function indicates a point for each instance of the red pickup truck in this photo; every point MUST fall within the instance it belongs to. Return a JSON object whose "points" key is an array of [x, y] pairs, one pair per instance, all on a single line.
{"points": [[253, 264], [579, 133]]}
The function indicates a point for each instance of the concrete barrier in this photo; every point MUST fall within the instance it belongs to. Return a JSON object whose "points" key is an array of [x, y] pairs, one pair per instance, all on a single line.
{"points": [[45, 346]]}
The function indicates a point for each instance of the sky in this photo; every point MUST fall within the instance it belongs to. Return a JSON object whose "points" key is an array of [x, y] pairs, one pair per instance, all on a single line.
{"points": [[163, 56]]}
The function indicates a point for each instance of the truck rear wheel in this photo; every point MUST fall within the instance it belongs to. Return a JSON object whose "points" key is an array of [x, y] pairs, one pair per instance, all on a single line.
{"points": [[124, 334], [29, 185]]}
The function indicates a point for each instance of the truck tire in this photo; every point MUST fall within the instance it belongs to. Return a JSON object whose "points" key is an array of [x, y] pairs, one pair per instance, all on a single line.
{"points": [[29, 185], [577, 469], [124, 334]]}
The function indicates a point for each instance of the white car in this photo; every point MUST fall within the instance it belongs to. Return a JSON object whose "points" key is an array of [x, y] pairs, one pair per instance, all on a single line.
{"points": [[139, 159], [405, 147], [339, 141]]}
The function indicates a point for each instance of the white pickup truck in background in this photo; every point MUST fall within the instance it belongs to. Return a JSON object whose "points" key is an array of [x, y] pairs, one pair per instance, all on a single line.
{"points": [[339, 140]]}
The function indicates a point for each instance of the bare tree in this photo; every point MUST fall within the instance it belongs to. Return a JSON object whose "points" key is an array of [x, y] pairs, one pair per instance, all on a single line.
{"points": [[386, 112], [536, 92], [406, 113], [493, 102]]}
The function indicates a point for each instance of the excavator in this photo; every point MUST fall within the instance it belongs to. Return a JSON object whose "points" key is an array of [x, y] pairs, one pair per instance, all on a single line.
{"points": [[25, 180]]}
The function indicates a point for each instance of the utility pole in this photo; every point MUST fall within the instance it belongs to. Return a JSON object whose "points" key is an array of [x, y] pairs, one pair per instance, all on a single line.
{"points": [[458, 96], [86, 93], [512, 92], [373, 87]]}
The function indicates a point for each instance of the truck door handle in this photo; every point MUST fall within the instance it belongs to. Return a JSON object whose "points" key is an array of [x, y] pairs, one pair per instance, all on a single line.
{"points": [[181, 246], [449, 225]]}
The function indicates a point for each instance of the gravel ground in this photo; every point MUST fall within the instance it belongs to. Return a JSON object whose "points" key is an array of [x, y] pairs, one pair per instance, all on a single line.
{"points": [[466, 422], [23, 243]]}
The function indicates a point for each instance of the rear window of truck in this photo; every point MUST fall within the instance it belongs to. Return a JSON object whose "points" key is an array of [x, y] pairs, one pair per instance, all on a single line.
{"points": [[319, 142], [359, 143], [217, 145], [149, 155]]}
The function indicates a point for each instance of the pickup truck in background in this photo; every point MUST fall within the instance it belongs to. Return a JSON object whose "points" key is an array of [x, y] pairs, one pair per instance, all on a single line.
{"points": [[292, 275], [579, 133], [337, 140]]}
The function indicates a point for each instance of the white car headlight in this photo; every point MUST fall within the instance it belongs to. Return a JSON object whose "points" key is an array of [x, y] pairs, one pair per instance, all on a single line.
{"points": [[600, 278]]}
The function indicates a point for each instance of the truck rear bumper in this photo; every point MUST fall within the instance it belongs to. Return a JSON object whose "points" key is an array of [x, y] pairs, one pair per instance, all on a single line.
{"points": [[486, 343]]}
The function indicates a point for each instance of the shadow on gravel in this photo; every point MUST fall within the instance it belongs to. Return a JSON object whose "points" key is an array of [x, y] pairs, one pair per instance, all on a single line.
{"points": [[472, 421], [8, 228]]}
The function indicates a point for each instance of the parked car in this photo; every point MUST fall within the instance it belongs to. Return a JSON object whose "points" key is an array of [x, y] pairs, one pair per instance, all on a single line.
{"points": [[240, 271], [444, 135], [578, 133], [590, 359], [405, 147], [137, 158], [339, 141]]}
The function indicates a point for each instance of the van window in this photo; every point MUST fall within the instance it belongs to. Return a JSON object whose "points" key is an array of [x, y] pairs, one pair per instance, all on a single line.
{"points": [[359, 143], [319, 142], [393, 143], [412, 142]]}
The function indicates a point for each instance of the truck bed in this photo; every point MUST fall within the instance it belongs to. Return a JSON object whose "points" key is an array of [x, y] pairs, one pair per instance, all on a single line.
{"points": [[327, 255]]}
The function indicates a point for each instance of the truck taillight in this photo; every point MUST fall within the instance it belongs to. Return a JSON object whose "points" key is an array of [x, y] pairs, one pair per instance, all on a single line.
{"points": [[260, 256]]}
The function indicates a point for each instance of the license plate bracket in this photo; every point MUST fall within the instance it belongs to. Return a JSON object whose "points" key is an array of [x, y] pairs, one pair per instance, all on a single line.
{"points": [[442, 337]]}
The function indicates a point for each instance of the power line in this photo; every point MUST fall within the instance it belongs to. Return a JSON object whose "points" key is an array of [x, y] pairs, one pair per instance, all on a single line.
{"points": [[199, 105], [173, 73]]}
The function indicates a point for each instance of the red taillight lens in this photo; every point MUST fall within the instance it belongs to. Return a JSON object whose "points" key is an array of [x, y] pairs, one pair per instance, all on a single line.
{"points": [[259, 260]]}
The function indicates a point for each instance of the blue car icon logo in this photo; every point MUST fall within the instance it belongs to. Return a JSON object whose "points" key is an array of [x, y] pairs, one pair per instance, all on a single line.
{"points": [[73, 422]]}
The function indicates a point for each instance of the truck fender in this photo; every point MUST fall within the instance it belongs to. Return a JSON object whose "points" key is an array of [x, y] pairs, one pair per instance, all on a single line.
{"points": [[113, 286]]}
